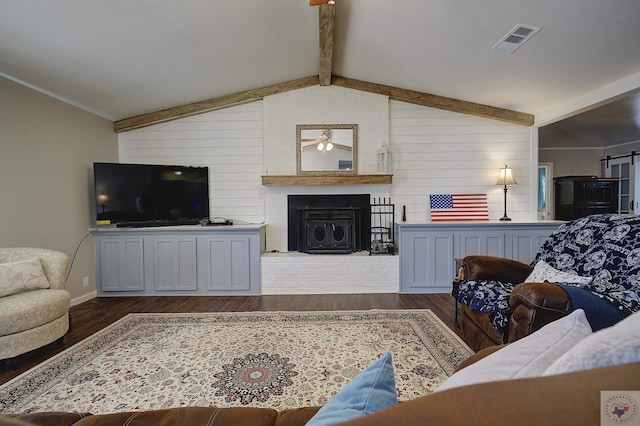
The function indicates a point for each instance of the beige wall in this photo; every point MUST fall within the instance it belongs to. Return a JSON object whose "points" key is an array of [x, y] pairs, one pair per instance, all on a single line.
{"points": [[47, 149], [570, 162], [622, 149]]}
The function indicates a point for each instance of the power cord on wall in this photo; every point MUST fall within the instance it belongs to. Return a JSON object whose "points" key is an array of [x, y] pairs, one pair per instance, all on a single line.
{"points": [[74, 256]]}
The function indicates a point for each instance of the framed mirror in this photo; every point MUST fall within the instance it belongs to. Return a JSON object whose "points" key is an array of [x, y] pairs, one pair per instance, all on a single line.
{"points": [[327, 149]]}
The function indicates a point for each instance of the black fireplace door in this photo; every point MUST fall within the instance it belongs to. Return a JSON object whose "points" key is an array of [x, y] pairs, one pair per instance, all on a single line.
{"points": [[328, 232]]}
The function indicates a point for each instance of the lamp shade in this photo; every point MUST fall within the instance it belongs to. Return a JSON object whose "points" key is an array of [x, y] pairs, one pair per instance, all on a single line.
{"points": [[506, 177]]}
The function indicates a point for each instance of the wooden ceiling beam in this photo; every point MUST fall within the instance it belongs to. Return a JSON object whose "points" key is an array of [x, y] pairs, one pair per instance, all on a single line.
{"points": [[435, 101], [326, 13], [208, 105], [395, 93]]}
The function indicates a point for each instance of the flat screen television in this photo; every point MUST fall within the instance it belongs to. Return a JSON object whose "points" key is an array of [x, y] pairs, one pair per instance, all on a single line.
{"points": [[150, 195]]}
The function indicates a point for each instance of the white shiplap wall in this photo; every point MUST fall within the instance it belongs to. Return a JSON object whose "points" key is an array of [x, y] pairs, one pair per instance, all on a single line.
{"points": [[436, 151], [229, 142], [313, 105], [433, 151]]}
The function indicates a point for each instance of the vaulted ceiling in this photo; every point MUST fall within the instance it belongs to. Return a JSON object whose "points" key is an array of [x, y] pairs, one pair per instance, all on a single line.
{"points": [[120, 59]]}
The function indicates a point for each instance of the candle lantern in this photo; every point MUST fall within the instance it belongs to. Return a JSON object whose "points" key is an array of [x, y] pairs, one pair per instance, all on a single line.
{"points": [[383, 160]]}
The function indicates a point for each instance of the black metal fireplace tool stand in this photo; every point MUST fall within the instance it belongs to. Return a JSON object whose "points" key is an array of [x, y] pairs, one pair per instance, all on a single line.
{"points": [[382, 227]]}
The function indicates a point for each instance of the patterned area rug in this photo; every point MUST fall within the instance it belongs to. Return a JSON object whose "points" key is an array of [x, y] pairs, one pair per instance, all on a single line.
{"points": [[262, 359]]}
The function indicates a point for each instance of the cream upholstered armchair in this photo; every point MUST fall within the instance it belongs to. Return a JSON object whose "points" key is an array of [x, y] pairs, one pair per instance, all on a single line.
{"points": [[34, 306]]}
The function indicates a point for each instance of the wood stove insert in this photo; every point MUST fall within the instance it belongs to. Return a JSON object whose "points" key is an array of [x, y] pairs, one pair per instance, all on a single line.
{"points": [[328, 224]]}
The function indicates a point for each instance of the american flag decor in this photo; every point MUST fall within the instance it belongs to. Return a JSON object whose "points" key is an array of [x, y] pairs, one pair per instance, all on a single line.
{"points": [[458, 207]]}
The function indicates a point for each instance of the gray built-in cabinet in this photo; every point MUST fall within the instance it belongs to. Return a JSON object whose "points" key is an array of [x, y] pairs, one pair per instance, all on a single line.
{"points": [[428, 250], [180, 260]]}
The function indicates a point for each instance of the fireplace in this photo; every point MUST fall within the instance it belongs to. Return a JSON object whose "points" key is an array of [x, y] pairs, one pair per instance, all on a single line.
{"points": [[328, 230], [330, 224]]}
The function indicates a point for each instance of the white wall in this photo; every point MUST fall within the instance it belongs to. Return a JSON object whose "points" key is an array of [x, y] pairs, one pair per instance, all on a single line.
{"points": [[322, 105], [229, 141], [317, 105], [433, 151], [436, 151]]}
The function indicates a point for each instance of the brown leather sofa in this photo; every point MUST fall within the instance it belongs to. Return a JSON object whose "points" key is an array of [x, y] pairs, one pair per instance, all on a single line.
{"points": [[572, 398], [532, 305]]}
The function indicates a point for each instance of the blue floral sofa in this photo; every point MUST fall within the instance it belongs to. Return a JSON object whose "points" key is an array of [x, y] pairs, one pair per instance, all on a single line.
{"points": [[592, 263]]}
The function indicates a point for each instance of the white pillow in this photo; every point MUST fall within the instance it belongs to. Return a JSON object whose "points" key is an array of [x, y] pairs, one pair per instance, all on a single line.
{"points": [[527, 357], [615, 345], [543, 272], [21, 276]]}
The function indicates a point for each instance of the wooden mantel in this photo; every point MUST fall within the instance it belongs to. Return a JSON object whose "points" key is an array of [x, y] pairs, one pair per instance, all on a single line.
{"points": [[327, 180]]}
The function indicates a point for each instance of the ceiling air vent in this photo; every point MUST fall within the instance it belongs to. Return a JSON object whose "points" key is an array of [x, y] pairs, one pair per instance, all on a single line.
{"points": [[516, 37]]}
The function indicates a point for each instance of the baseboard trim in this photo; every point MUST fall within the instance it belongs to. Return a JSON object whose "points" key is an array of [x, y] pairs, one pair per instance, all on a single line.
{"points": [[84, 298]]}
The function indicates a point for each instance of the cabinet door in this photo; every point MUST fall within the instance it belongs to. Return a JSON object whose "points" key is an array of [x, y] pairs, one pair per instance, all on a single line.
{"points": [[489, 243], [426, 260], [174, 263], [121, 264], [527, 244], [229, 263]]}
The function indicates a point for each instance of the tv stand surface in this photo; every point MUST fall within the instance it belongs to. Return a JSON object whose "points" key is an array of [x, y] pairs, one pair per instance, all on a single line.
{"points": [[179, 260]]}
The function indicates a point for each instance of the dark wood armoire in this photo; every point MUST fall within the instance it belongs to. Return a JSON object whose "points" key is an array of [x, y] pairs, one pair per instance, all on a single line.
{"points": [[579, 196]]}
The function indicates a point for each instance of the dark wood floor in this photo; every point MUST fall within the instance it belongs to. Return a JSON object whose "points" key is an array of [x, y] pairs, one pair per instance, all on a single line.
{"points": [[93, 315]]}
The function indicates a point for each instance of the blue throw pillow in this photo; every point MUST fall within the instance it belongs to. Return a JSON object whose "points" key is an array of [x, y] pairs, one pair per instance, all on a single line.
{"points": [[372, 390]]}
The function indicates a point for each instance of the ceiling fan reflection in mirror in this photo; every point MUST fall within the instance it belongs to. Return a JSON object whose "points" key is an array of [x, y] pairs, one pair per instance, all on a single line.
{"points": [[323, 143]]}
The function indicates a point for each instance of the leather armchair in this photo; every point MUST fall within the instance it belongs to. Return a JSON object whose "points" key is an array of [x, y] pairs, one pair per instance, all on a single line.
{"points": [[494, 268], [535, 304], [591, 263], [477, 327], [532, 305]]}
